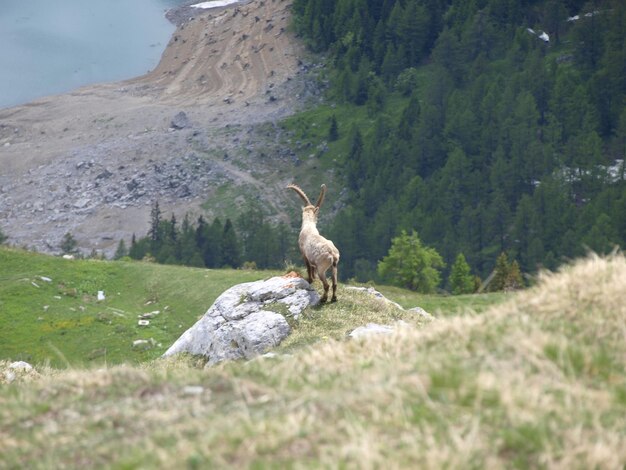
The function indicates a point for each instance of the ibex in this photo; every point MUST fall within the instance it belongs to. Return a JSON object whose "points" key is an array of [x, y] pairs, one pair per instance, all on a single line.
{"points": [[319, 253]]}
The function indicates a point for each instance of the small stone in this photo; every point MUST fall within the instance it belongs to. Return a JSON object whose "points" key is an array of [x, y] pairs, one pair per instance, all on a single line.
{"points": [[20, 365], [180, 121], [193, 390]]}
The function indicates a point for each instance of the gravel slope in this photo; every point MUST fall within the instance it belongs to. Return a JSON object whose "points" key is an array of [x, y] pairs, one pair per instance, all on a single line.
{"points": [[91, 162]]}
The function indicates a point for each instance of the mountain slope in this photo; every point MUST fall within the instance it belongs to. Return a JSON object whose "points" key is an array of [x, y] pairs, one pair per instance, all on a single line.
{"points": [[89, 162]]}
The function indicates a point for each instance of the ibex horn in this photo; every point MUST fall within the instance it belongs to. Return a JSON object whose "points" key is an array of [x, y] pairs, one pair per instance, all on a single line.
{"points": [[320, 199], [300, 193]]}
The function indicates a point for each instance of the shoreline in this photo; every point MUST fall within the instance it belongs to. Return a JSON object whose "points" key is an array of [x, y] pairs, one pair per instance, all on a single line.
{"points": [[176, 16]]}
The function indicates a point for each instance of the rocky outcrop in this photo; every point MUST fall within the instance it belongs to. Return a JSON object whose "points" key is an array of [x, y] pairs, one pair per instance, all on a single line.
{"points": [[246, 320]]}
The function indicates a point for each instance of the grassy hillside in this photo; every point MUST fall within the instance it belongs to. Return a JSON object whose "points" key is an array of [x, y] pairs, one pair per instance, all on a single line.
{"points": [[62, 321], [538, 381], [49, 311]]}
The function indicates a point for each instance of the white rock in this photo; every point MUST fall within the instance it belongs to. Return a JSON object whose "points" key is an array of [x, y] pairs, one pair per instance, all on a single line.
{"points": [[371, 329], [143, 322], [242, 324], [193, 390], [101, 295], [20, 365]]}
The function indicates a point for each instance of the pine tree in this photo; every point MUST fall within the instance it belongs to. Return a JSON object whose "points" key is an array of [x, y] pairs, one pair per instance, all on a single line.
{"points": [[3, 237], [461, 280], [333, 130], [230, 246], [514, 279], [155, 232], [501, 273], [121, 250], [189, 252], [69, 244]]}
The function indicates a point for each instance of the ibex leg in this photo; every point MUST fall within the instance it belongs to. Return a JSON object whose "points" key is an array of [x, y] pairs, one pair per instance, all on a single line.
{"points": [[334, 297], [322, 276], [310, 271]]}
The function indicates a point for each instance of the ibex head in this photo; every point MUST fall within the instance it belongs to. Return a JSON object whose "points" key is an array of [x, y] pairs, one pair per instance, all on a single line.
{"points": [[307, 203]]}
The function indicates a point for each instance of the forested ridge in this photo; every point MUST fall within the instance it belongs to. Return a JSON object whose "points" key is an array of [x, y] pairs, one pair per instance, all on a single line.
{"points": [[496, 126]]}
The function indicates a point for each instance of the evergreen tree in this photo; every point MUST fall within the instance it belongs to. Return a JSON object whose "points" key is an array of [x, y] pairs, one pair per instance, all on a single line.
{"points": [[69, 244], [602, 238], [121, 250], [333, 130], [501, 273], [461, 280], [190, 254], [155, 233], [230, 246], [514, 279], [212, 248], [3, 237]]}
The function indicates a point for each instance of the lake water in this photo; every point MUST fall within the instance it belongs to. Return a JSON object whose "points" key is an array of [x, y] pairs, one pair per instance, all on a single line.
{"points": [[54, 46]]}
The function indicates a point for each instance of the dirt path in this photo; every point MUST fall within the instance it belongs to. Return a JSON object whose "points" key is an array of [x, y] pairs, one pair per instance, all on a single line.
{"points": [[91, 161]]}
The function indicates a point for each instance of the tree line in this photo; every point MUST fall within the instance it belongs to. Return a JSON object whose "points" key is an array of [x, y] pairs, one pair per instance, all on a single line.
{"points": [[503, 142], [250, 241]]}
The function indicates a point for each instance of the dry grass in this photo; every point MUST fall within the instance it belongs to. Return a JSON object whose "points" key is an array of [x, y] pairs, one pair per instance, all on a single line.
{"points": [[538, 382]]}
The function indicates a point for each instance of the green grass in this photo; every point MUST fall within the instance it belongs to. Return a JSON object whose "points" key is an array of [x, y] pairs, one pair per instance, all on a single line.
{"points": [[440, 305], [61, 320]]}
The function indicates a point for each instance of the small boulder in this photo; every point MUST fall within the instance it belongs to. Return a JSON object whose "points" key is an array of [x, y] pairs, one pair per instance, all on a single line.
{"points": [[180, 121], [246, 320]]}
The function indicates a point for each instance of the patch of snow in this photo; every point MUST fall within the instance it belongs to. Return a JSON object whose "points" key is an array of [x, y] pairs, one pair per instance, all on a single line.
{"points": [[544, 36], [101, 295], [214, 4]]}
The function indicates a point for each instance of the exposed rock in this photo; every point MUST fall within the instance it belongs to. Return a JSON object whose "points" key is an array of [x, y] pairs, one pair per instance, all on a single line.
{"points": [[20, 365], [246, 320], [422, 313], [180, 121], [375, 293], [370, 329], [16, 371], [376, 329]]}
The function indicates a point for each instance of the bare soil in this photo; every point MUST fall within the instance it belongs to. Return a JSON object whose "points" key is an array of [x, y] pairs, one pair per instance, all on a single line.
{"points": [[91, 162]]}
